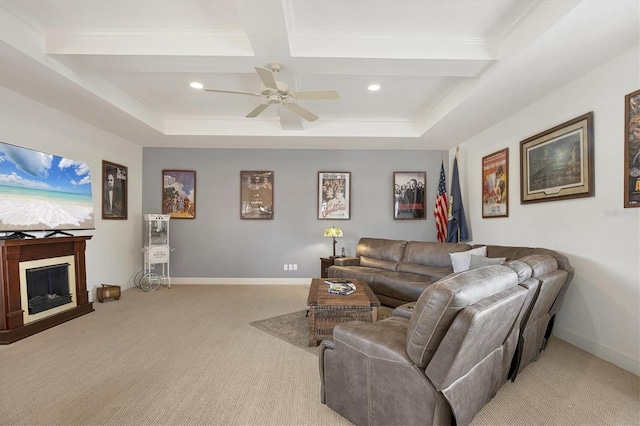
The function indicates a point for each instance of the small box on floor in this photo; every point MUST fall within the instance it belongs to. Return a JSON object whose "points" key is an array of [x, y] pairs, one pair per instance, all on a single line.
{"points": [[108, 292]]}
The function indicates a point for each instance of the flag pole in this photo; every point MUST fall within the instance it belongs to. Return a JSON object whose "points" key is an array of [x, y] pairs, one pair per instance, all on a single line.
{"points": [[458, 229]]}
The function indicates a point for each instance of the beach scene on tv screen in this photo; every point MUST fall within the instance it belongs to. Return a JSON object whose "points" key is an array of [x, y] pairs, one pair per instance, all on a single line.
{"points": [[41, 191]]}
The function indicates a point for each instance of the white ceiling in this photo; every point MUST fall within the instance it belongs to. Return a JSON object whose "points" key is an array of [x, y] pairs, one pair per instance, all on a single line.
{"points": [[448, 69]]}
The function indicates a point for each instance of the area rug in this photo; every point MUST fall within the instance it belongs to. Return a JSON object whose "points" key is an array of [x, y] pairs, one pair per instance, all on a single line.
{"points": [[293, 328]]}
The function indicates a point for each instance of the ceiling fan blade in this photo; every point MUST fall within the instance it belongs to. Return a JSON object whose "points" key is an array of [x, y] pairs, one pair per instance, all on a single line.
{"points": [[257, 110], [316, 94], [267, 77], [235, 92], [302, 112]]}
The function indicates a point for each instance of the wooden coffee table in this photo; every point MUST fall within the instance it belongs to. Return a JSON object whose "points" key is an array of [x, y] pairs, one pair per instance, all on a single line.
{"points": [[326, 310]]}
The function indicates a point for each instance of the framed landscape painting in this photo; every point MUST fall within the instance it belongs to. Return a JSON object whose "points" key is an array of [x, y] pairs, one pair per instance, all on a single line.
{"points": [[256, 194], [632, 150], [558, 164], [114, 191], [179, 193], [334, 195], [495, 184], [409, 195]]}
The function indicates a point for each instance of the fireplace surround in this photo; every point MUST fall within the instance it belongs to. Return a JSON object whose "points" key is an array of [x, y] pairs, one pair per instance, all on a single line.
{"points": [[22, 255]]}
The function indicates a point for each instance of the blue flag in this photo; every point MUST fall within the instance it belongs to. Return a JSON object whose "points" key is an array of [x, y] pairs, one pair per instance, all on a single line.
{"points": [[457, 230]]}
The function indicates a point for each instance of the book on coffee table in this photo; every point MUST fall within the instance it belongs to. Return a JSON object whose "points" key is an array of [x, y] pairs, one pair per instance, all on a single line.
{"points": [[337, 281], [342, 289]]}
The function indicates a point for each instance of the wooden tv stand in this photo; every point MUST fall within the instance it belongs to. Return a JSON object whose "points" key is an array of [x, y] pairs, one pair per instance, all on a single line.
{"points": [[12, 252]]}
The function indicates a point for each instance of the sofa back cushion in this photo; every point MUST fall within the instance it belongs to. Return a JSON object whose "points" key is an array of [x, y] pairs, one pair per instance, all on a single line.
{"points": [[540, 264], [439, 304], [511, 253], [380, 253], [431, 254], [371, 262], [519, 252], [522, 269]]}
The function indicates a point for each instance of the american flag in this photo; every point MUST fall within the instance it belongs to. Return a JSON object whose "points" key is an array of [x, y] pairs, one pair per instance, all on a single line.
{"points": [[440, 211]]}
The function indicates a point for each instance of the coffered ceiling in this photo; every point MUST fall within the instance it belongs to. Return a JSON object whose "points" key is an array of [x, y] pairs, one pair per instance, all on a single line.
{"points": [[447, 69]]}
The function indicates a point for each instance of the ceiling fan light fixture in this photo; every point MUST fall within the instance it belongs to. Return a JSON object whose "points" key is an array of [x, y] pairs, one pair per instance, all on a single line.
{"points": [[275, 91], [374, 87]]}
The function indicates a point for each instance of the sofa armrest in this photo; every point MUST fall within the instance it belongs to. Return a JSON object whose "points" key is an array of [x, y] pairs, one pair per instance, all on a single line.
{"points": [[384, 340], [324, 345], [404, 311], [347, 261]]}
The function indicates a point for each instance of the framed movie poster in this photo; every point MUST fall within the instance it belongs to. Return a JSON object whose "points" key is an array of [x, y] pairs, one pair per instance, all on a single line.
{"points": [[256, 194], [495, 184], [114, 191], [409, 195], [334, 195], [558, 164], [632, 149], [179, 194]]}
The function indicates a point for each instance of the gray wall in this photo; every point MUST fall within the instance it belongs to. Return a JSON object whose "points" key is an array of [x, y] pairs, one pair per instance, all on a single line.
{"points": [[217, 243]]}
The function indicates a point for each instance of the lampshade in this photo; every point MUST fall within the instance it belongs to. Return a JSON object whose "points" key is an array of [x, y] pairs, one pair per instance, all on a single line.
{"points": [[333, 232]]}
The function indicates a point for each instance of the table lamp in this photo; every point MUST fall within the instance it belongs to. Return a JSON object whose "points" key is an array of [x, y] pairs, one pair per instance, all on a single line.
{"points": [[334, 233]]}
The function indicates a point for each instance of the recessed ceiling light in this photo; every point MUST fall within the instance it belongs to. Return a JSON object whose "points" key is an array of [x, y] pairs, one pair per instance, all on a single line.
{"points": [[196, 85], [374, 87]]}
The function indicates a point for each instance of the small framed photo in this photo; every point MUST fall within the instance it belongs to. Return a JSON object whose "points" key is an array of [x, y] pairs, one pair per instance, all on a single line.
{"points": [[114, 191], [558, 164], [495, 184], [632, 150], [256, 194], [179, 194], [334, 195], [409, 195]]}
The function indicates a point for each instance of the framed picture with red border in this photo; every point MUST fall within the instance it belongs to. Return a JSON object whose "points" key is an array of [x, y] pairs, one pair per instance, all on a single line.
{"points": [[495, 184]]}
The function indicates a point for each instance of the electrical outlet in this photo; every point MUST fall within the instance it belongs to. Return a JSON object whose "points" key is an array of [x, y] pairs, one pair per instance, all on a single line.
{"points": [[291, 266], [295, 266], [286, 267]]}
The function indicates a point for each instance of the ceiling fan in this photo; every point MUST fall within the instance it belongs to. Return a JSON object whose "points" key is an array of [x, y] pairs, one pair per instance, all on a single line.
{"points": [[277, 92]]}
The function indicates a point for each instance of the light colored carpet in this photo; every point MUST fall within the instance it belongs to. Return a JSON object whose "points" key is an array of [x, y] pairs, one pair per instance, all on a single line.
{"points": [[188, 356]]}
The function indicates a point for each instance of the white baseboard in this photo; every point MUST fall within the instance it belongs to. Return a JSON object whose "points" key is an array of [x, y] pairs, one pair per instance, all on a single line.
{"points": [[240, 281], [607, 354]]}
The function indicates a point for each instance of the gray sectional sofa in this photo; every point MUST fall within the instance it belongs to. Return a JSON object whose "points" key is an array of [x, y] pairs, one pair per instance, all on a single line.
{"points": [[454, 337], [399, 271], [438, 367]]}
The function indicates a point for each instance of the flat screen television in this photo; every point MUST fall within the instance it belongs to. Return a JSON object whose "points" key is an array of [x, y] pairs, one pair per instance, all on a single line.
{"points": [[42, 192]]}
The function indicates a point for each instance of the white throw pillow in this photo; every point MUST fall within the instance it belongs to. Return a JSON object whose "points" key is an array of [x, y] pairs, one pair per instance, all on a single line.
{"points": [[462, 259]]}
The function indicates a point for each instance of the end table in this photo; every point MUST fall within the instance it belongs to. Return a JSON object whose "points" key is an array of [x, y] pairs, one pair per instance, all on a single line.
{"points": [[325, 262]]}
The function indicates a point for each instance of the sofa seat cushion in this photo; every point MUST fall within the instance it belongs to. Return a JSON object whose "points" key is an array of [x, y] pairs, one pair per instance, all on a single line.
{"points": [[354, 272], [431, 254], [432, 272], [400, 285]]}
